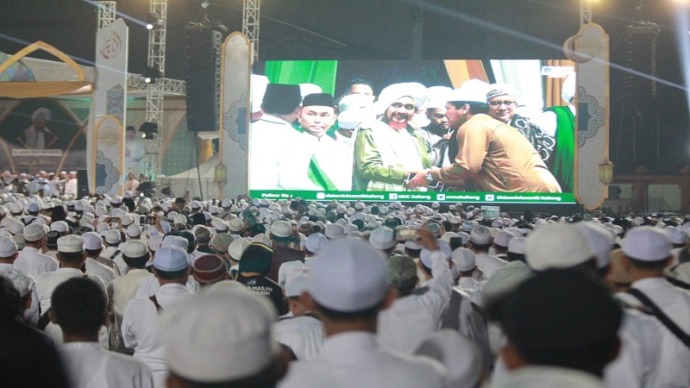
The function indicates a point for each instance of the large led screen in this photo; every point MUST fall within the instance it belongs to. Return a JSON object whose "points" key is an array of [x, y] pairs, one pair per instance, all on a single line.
{"points": [[489, 131]]}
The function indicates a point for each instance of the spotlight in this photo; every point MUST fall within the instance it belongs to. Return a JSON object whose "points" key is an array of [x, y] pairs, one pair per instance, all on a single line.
{"points": [[149, 26], [204, 4], [148, 130], [151, 75]]}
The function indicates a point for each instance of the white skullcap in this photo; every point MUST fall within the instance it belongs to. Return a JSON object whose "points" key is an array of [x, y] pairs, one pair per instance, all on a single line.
{"points": [[481, 235], [7, 247], [237, 247], [348, 275], [350, 118], [425, 254], [70, 244], [315, 242], [281, 228], [22, 281], [461, 356], [154, 242], [557, 246], [464, 259], [676, 235], [287, 269], [92, 241], [59, 226], [600, 240], [134, 248], [382, 237], [228, 337], [112, 237], [503, 238], [296, 284], [334, 231], [34, 232], [133, 230], [170, 259], [505, 280], [472, 90], [517, 245], [647, 243], [175, 241], [263, 239], [14, 226], [437, 97], [355, 101], [235, 225]]}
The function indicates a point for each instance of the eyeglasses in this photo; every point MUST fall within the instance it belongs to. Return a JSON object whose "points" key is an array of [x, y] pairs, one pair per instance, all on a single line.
{"points": [[398, 105], [496, 104]]}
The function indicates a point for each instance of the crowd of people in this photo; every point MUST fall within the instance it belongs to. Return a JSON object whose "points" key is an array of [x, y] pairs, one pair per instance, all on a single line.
{"points": [[145, 292], [409, 137]]}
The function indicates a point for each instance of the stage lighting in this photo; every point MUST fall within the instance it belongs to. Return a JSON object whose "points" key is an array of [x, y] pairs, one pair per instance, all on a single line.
{"points": [[148, 130], [151, 75]]}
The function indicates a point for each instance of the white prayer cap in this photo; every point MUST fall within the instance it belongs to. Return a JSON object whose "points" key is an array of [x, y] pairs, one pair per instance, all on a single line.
{"points": [[112, 237], [647, 243], [126, 219], [70, 244], [175, 241], [19, 239], [281, 228], [425, 254], [34, 232], [92, 241], [237, 247], [676, 235], [14, 226], [355, 101], [7, 247], [334, 231], [382, 237], [134, 248], [306, 89], [503, 238], [348, 275], [263, 239], [505, 280], [497, 90], [287, 269], [235, 225], [228, 337], [22, 281], [472, 90], [600, 240], [59, 226], [170, 259], [558, 245], [437, 97], [461, 356], [517, 245], [315, 242], [134, 230], [464, 259], [296, 284], [154, 242], [350, 118]]}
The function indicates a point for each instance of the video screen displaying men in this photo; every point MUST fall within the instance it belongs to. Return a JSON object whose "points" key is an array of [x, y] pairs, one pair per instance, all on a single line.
{"points": [[478, 132]]}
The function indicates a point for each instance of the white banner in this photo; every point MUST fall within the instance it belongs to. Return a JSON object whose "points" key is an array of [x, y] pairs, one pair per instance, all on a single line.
{"points": [[592, 133], [106, 164], [234, 115]]}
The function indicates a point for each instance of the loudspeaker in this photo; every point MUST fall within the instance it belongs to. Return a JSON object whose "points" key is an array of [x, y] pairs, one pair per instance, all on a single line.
{"points": [[82, 184], [203, 48]]}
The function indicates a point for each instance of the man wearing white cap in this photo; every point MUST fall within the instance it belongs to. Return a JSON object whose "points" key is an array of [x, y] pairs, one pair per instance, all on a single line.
{"points": [[140, 329], [480, 242], [123, 289], [437, 132], [30, 259], [282, 235], [93, 244], [494, 154], [226, 342], [348, 288], [647, 252], [8, 254], [390, 150], [71, 256], [300, 329], [412, 317], [79, 308]]}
